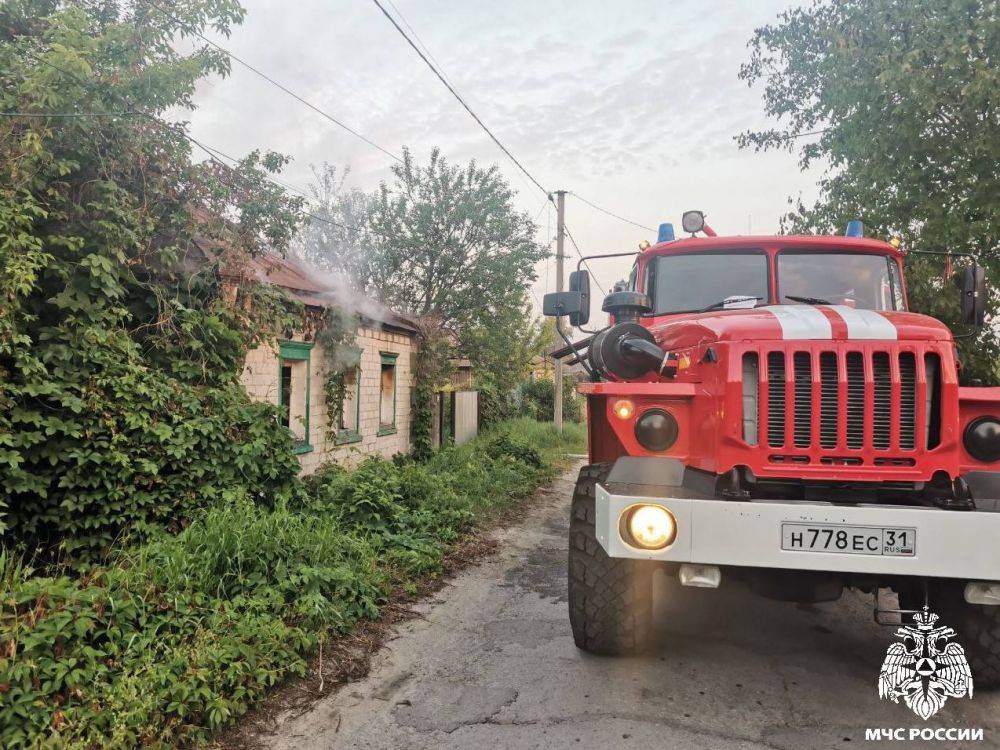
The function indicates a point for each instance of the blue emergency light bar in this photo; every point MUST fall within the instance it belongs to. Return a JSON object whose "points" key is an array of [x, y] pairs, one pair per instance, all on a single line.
{"points": [[666, 233]]}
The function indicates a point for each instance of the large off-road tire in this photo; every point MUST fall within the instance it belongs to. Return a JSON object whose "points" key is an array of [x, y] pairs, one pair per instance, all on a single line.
{"points": [[610, 607], [977, 626]]}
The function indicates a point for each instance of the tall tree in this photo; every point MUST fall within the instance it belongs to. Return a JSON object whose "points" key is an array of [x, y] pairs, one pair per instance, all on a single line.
{"points": [[901, 99], [502, 349], [336, 237], [447, 239], [119, 348], [443, 242]]}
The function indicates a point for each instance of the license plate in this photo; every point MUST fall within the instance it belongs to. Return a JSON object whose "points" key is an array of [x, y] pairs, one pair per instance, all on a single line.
{"points": [[849, 540]]}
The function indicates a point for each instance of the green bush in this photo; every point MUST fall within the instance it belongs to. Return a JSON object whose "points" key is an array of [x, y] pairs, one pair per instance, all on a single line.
{"points": [[120, 344], [113, 446], [505, 445], [182, 634], [538, 400]]}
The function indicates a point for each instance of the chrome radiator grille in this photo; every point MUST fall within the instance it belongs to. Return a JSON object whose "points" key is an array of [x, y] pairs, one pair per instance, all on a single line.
{"points": [[840, 401]]}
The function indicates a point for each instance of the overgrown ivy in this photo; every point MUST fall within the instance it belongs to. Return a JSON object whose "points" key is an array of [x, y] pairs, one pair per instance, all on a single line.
{"points": [[125, 307], [336, 336], [431, 369]]}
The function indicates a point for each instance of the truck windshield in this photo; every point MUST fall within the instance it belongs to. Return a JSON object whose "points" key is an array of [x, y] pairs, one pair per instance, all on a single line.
{"points": [[867, 282], [688, 283]]}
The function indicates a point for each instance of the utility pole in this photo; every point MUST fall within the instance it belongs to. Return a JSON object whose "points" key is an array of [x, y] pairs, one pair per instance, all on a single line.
{"points": [[560, 234]]}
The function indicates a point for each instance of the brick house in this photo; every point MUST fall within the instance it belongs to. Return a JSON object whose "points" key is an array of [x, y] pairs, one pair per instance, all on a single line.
{"points": [[292, 373]]}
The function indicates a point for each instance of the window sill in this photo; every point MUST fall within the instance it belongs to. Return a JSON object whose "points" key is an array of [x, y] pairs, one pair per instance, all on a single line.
{"points": [[346, 437], [299, 448], [386, 430]]}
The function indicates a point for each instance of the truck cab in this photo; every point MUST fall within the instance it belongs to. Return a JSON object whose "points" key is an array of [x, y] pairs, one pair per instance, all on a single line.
{"points": [[769, 409]]}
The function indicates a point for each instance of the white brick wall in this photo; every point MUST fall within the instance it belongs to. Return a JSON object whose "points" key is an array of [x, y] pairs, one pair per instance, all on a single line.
{"points": [[260, 378]]}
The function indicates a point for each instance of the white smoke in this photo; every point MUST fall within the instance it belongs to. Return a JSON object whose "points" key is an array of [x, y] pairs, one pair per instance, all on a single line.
{"points": [[343, 295]]}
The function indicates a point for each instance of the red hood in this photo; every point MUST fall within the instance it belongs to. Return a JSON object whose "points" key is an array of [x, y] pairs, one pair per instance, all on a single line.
{"points": [[796, 322]]}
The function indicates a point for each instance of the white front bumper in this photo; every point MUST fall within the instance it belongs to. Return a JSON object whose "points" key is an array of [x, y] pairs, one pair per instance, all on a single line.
{"points": [[950, 544]]}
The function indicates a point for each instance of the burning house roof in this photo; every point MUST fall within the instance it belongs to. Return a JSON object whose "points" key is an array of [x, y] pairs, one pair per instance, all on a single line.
{"points": [[308, 286]]}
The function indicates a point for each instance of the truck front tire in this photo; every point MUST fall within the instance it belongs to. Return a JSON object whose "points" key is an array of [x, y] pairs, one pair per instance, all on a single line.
{"points": [[977, 627], [610, 607]]}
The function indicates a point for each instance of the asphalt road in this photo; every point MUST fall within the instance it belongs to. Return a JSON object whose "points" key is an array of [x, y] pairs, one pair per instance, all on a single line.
{"points": [[491, 664]]}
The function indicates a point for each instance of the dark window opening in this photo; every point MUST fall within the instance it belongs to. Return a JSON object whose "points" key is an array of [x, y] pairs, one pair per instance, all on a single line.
{"points": [[387, 394], [286, 395], [349, 409]]}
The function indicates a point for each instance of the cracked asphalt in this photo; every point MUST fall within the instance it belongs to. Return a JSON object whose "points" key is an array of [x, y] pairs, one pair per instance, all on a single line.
{"points": [[490, 663]]}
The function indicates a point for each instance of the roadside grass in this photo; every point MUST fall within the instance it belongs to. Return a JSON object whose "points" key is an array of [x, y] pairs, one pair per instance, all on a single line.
{"points": [[183, 634]]}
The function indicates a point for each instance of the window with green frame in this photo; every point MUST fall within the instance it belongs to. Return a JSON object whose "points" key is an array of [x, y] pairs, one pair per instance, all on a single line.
{"points": [[294, 385], [387, 394], [349, 422]]}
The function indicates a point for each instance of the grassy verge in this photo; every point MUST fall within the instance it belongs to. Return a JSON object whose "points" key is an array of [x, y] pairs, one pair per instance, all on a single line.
{"points": [[183, 634]]}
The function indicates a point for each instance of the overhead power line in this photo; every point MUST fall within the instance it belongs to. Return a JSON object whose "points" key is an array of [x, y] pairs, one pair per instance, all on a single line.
{"points": [[440, 76], [62, 115], [191, 29], [438, 71], [213, 154], [577, 248], [793, 136], [417, 37], [612, 213], [458, 96]]}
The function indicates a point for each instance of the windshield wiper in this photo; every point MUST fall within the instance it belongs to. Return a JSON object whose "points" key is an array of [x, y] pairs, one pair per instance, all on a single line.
{"points": [[808, 300], [730, 301]]}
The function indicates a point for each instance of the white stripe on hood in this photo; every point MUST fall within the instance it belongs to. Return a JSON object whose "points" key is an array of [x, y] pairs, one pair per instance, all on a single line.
{"points": [[801, 322], [866, 324]]}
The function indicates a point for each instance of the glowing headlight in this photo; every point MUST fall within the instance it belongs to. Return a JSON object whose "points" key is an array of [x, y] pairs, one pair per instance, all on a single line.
{"points": [[649, 527], [623, 408]]}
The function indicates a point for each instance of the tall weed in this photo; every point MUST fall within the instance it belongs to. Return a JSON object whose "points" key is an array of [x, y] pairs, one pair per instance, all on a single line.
{"points": [[180, 635]]}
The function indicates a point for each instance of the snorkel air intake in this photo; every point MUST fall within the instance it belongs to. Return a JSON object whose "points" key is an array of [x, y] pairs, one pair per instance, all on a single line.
{"points": [[626, 306], [627, 351]]}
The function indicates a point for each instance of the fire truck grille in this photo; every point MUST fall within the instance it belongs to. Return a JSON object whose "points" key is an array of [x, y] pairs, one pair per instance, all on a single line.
{"points": [[776, 399], [829, 400], [907, 401], [803, 400], [883, 401], [841, 401], [855, 400]]}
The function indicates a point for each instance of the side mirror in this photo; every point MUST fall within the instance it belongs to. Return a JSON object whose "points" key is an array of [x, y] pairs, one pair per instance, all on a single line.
{"points": [[575, 303], [972, 280], [579, 281]]}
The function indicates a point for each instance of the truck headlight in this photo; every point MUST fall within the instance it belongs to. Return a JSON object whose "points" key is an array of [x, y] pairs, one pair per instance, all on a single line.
{"points": [[982, 439], [656, 430], [623, 408], [651, 527]]}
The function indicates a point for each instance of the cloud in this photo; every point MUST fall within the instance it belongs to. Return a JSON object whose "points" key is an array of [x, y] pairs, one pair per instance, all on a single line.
{"points": [[632, 104]]}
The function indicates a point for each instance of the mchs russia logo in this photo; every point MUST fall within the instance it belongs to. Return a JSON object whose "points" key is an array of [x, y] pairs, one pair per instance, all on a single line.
{"points": [[925, 667]]}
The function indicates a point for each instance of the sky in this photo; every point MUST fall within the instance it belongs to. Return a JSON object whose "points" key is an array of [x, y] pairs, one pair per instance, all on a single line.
{"points": [[632, 105]]}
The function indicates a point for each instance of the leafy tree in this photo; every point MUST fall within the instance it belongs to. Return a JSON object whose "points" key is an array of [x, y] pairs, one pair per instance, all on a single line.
{"points": [[502, 350], [446, 244], [447, 240], [337, 239], [120, 343], [899, 99], [538, 400]]}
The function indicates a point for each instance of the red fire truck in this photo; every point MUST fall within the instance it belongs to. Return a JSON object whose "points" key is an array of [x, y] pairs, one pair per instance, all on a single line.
{"points": [[767, 409]]}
